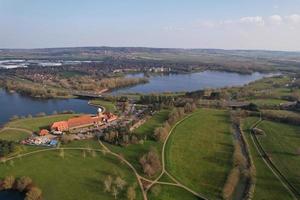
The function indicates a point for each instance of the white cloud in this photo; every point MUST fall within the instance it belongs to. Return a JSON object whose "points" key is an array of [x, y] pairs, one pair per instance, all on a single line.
{"points": [[294, 19], [275, 20], [257, 20]]}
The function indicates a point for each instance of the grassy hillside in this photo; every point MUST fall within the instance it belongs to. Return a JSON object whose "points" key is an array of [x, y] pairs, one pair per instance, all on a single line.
{"points": [[72, 177], [13, 135], [267, 185], [166, 192], [199, 152], [282, 143]]}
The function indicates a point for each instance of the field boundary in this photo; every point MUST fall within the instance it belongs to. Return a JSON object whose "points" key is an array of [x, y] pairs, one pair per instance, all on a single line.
{"points": [[284, 181]]}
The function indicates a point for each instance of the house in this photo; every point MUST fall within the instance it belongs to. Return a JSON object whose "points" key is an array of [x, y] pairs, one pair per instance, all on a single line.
{"points": [[43, 132]]}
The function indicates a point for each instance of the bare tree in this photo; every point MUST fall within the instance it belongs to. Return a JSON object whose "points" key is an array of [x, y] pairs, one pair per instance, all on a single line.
{"points": [[107, 184]]}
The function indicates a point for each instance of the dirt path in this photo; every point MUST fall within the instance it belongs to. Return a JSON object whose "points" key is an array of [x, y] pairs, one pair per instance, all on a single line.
{"points": [[104, 149], [17, 129], [164, 171]]}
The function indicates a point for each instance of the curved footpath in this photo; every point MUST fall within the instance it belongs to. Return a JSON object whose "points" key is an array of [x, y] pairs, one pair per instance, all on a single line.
{"points": [[164, 171], [17, 129]]}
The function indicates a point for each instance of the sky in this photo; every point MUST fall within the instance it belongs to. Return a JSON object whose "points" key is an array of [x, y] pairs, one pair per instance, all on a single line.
{"points": [[225, 24]]}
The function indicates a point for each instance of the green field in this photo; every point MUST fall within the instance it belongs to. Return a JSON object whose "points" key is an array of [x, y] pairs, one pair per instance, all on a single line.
{"points": [[268, 102], [72, 177], [37, 123], [155, 121], [267, 185], [133, 152], [166, 192], [199, 152], [282, 143], [13, 135], [108, 105]]}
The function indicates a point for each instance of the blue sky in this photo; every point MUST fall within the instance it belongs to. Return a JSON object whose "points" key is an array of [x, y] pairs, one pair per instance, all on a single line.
{"points": [[229, 24]]}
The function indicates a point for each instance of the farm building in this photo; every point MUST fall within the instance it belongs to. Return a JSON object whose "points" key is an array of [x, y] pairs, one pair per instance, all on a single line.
{"points": [[43, 132], [83, 121]]}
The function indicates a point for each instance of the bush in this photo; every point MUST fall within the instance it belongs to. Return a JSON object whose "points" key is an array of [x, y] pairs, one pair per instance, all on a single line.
{"points": [[231, 183], [8, 182], [151, 162], [23, 183], [34, 194]]}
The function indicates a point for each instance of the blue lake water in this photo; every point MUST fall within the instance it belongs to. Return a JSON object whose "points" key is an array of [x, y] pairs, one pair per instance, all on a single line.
{"points": [[15, 104], [11, 195], [189, 82]]}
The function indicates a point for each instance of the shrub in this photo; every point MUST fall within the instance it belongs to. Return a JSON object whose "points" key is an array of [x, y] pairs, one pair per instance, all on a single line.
{"points": [[34, 194], [151, 162], [8, 182], [22, 183]]}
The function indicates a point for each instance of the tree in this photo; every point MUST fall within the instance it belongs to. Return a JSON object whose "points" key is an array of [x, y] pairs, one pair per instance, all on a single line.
{"points": [[150, 162], [131, 194], [115, 192], [34, 194], [188, 108], [23, 182], [8, 182], [120, 183], [107, 184], [160, 134]]}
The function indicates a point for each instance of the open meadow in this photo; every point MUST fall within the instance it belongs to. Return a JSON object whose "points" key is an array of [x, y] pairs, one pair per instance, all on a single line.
{"points": [[199, 152]]}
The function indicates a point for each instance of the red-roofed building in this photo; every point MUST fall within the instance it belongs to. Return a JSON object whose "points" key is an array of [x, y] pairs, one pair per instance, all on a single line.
{"points": [[60, 126], [83, 121], [43, 132]]}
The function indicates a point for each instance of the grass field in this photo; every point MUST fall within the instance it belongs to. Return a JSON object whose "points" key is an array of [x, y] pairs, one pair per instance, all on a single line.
{"points": [[37, 123], [133, 152], [166, 192], [268, 102], [199, 152], [108, 105], [13, 135], [282, 142], [267, 185], [155, 121], [72, 177]]}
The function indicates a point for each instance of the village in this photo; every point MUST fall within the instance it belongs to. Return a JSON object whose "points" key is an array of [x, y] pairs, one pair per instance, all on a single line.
{"points": [[85, 126]]}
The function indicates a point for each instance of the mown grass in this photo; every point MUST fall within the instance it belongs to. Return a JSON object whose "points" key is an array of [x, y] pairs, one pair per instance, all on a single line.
{"points": [[267, 185], [37, 123], [282, 143], [72, 177], [13, 135], [167, 192], [108, 105], [199, 152]]}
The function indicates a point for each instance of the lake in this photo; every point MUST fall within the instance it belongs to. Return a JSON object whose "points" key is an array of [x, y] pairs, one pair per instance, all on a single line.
{"points": [[189, 82], [11, 195], [15, 104]]}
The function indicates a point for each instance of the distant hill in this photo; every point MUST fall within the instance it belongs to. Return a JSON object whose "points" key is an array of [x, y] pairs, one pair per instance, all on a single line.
{"points": [[236, 58]]}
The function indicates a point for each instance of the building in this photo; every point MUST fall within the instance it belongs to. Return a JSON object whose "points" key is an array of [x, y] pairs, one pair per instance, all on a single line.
{"points": [[60, 126], [43, 132], [83, 121]]}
